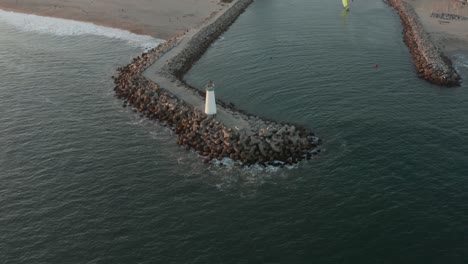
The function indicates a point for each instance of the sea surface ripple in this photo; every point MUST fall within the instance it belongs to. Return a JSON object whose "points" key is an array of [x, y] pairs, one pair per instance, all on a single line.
{"points": [[84, 180]]}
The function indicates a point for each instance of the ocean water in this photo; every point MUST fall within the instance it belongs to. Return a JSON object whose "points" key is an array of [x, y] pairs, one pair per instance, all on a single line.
{"points": [[84, 180]]}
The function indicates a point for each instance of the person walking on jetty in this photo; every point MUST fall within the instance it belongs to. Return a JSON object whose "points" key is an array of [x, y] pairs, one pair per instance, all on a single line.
{"points": [[210, 102]]}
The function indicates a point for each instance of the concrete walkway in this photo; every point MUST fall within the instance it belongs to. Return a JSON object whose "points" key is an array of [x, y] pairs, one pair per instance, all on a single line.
{"points": [[228, 118]]}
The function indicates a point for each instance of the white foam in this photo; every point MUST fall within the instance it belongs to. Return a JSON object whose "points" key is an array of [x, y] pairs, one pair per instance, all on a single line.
{"points": [[464, 61], [64, 27], [229, 163], [461, 65]]}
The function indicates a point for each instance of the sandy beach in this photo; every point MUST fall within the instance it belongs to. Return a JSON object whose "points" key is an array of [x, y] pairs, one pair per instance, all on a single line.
{"points": [[160, 19], [449, 35]]}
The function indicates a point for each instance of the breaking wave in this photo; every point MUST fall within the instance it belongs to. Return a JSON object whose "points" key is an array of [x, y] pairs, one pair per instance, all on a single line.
{"points": [[65, 27]]}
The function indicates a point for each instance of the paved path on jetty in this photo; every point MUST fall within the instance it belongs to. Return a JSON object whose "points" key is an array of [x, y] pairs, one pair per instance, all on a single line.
{"points": [[228, 118]]}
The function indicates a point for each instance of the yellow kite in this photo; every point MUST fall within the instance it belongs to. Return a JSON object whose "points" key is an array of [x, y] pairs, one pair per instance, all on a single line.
{"points": [[345, 4]]}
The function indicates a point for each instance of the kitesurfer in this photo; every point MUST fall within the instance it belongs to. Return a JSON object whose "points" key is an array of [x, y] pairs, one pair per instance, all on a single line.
{"points": [[345, 5]]}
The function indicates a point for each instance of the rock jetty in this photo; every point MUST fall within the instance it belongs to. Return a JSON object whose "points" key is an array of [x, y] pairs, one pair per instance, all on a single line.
{"points": [[264, 142], [431, 64], [199, 43]]}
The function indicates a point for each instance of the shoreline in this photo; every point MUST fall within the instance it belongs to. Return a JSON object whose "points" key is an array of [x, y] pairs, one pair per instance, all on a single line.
{"points": [[430, 62], [161, 19], [153, 85]]}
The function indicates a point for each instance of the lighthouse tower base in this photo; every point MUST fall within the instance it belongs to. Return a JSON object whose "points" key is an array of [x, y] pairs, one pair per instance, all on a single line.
{"points": [[210, 103]]}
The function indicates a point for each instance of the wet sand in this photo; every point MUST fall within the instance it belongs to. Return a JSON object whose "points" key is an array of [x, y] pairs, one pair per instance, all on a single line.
{"points": [[160, 19]]}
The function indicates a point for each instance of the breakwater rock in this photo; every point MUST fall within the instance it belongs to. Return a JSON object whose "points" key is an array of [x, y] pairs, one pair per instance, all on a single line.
{"points": [[272, 143], [431, 64], [261, 141]]}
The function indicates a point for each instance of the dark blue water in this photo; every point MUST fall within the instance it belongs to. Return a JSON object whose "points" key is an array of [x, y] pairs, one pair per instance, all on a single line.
{"points": [[84, 180]]}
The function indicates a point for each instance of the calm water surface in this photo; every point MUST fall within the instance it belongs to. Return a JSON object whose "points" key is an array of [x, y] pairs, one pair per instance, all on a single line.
{"points": [[84, 180]]}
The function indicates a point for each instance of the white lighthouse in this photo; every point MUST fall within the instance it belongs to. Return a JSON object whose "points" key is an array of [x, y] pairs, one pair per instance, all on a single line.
{"points": [[210, 102]]}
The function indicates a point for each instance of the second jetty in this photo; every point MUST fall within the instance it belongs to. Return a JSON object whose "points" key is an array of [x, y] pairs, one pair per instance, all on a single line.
{"points": [[431, 64], [152, 84]]}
